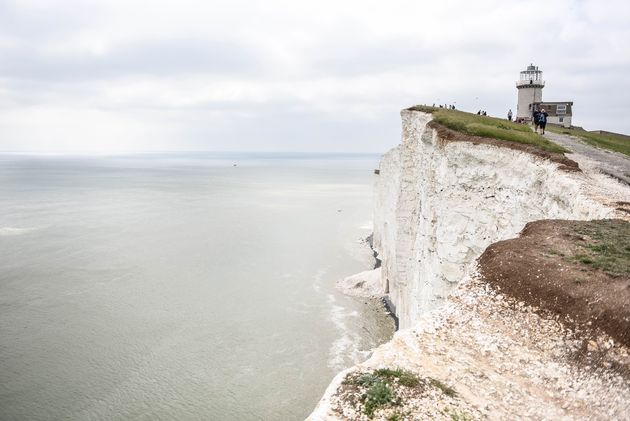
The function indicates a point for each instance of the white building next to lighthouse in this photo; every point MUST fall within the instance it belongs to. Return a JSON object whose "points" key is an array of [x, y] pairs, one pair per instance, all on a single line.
{"points": [[530, 86]]}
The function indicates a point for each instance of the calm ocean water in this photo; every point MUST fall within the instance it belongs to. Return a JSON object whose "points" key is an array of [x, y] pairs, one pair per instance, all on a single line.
{"points": [[180, 286]]}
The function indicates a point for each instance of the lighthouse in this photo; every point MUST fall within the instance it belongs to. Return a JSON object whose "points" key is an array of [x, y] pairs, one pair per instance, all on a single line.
{"points": [[529, 86]]}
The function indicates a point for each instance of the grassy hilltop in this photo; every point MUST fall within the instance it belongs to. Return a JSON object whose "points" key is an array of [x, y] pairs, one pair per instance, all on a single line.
{"points": [[497, 128], [490, 127]]}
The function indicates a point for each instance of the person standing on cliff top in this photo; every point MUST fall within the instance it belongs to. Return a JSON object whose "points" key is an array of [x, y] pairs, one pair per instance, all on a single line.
{"points": [[542, 120], [510, 114]]}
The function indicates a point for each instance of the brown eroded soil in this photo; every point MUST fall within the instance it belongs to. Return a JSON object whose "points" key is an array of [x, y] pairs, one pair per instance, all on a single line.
{"points": [[546, 267]]}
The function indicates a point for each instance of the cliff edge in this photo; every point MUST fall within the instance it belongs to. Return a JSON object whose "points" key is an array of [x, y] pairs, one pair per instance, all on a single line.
{"points": [[469, 347]]}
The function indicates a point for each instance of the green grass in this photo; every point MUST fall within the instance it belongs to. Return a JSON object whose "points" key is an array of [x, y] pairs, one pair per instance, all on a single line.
{"points": [[490, 127], [605, 245], [378, 383], [379, 394], [380, 390], [405, 378], [605, 141]]}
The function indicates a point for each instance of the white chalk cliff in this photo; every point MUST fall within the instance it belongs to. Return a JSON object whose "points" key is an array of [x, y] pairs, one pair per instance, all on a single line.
{"points": [[438, 204]]}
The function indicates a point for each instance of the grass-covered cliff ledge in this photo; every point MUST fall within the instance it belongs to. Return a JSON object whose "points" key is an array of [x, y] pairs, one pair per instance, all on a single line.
{"points": [[459, 126]]}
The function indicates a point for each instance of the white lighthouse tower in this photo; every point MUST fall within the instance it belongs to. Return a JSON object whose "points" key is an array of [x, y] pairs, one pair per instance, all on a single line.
{"points": [[529, 87]]}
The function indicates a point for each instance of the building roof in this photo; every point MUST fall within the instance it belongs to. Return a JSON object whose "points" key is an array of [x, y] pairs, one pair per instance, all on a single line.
{"points": [[555, 102], [551, 107]]}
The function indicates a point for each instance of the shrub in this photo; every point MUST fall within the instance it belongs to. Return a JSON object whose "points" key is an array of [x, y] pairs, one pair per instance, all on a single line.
{"points": [[379, 394]]}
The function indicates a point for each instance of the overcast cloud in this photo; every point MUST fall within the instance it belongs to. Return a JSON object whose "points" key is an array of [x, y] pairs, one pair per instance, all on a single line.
{"points": [[88, 76]]}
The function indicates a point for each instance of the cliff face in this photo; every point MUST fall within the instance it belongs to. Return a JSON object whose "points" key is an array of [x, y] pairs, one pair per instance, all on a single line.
{"points": [[440, 203]]}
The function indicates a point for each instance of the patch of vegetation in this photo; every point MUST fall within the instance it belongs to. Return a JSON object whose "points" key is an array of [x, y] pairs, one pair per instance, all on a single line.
{"points": [[378, 385], [424, 109], [484, 126], [387, 375], [605, 245], [447, 390], [380, 389], [606, 141], [405, 378], [379, 394]]}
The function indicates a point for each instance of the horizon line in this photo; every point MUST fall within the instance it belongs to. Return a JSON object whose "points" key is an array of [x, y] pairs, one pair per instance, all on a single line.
{"points": [[172, 152]]}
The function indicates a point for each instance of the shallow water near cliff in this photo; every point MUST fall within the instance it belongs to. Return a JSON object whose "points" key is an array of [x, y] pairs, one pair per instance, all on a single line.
{"points": [[181, 286]]}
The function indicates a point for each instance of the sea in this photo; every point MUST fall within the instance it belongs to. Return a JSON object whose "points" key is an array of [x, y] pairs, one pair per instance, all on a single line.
{"points": [[192, 286]]}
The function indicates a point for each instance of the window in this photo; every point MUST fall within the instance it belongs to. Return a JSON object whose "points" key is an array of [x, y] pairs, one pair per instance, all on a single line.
{"points": [[561, 119], [561, 109]]}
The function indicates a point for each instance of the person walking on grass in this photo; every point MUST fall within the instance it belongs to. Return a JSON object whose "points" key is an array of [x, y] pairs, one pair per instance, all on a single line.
{"points": [[535, 117], [510, 115], [542, 120]]}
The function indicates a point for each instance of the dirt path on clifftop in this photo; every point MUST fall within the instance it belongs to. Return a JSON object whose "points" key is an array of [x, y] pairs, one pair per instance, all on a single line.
{"points": [[607, 162]]}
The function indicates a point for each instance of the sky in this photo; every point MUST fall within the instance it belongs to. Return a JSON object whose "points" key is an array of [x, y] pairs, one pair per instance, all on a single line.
{"points": [[125, 76]]}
